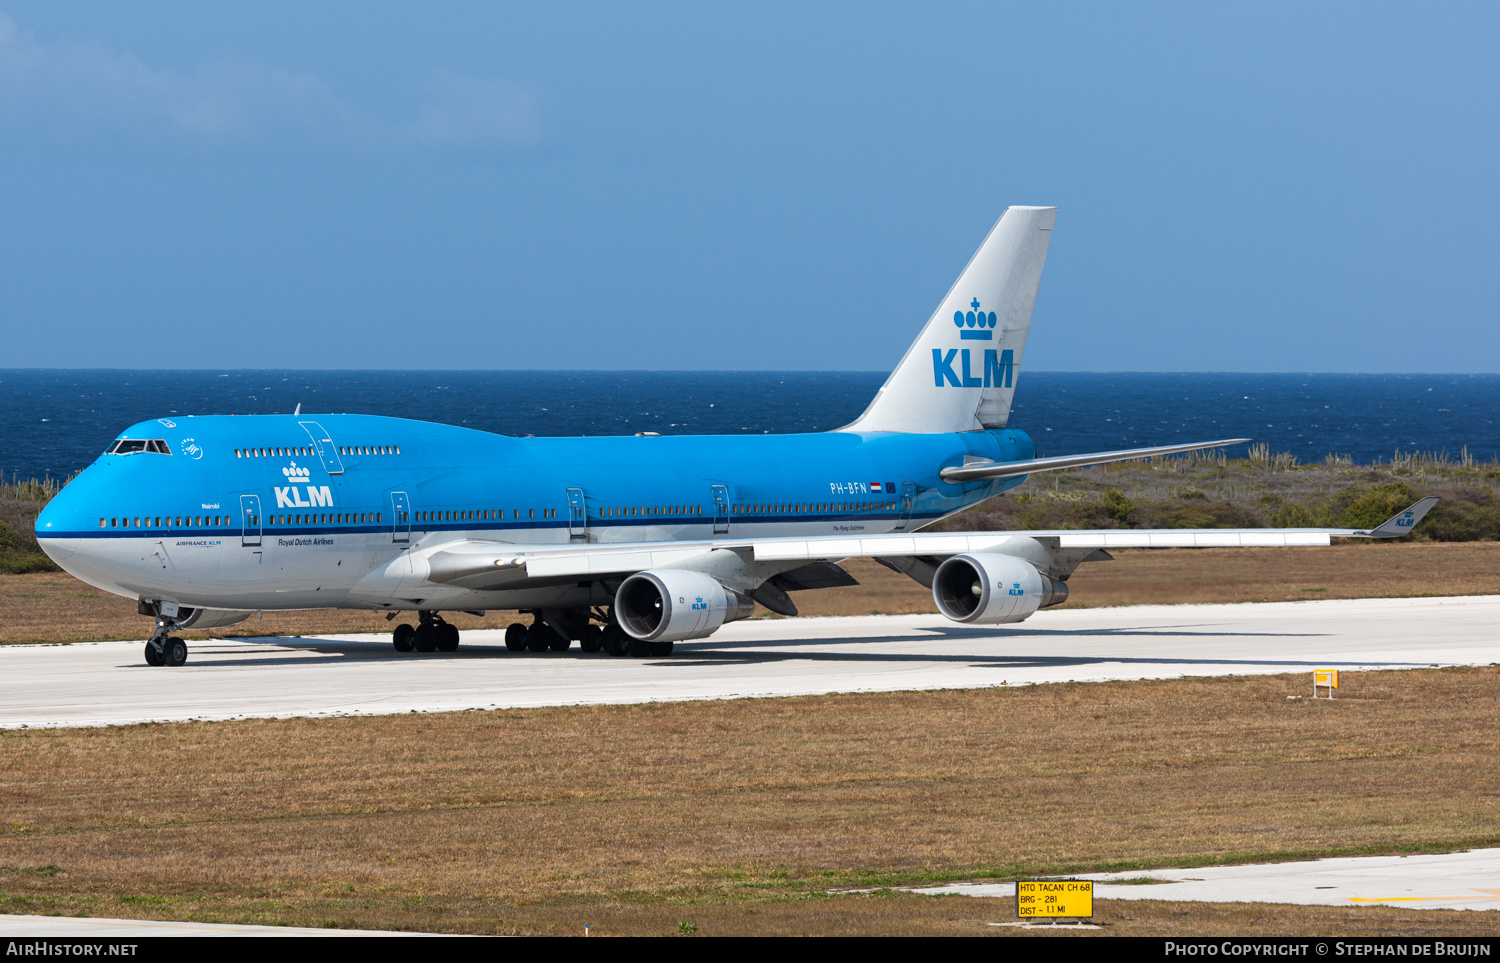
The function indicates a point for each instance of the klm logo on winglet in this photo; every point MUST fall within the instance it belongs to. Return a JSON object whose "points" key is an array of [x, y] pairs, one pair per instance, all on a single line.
{"points": [[955, 367], [1404, 521]]}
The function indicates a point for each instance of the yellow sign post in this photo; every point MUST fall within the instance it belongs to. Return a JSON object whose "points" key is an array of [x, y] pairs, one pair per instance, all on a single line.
{"points": [[1325, 679], [1055, 898]]}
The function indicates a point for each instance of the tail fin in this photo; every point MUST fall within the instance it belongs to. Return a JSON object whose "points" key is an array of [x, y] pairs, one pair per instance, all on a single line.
{"points": [[960, 373]]}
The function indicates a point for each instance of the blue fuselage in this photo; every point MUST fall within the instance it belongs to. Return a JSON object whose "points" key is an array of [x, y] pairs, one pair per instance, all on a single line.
{"points": [[289, 512]]}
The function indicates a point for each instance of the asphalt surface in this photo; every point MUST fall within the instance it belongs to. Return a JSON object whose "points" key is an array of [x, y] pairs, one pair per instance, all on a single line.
{"points": [[1448, 881], [108, 683]]}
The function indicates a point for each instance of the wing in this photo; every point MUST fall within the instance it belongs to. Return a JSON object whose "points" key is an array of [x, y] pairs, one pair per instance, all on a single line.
{"points": [[506, 563]]}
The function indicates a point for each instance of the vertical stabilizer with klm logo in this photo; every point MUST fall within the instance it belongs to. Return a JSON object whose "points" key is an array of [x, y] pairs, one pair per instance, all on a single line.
{"points": [[960, 374]]}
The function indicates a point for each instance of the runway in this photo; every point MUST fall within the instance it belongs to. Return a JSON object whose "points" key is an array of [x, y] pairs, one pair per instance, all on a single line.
{"points": [[1440, 881], [108, 683]]}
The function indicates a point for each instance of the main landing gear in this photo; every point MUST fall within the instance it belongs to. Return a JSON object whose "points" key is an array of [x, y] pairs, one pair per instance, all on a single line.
{"points": [[556, 629], [164, 648], [432, 634]]}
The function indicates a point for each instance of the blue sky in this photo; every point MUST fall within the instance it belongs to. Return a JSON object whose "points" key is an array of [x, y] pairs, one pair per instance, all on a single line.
{"points": [[1300, 187]]}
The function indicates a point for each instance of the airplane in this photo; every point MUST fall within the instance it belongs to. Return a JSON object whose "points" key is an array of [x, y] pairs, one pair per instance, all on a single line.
{"points": [[622, 544]]}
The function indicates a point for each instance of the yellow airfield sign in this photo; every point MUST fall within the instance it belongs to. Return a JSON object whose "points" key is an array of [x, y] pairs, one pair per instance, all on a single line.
{"points": [[1054, 898]]}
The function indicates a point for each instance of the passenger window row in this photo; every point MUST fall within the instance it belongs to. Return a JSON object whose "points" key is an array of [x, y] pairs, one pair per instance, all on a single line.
{"points": [[166, 521], [211, 521], [336, 518], [304, 451], [649, 511], [788, 508], [481, 514]]}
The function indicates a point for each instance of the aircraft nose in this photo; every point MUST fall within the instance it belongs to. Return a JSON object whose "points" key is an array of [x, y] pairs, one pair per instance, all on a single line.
{"points": [[61, 521]]}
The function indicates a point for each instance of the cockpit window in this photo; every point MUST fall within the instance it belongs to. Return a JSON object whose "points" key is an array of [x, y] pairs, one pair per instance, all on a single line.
{"points": [[129, 446]]}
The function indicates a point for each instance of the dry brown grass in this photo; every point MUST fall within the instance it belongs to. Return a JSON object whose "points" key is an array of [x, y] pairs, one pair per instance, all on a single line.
{"points": [[742, 814], [55, 607]]}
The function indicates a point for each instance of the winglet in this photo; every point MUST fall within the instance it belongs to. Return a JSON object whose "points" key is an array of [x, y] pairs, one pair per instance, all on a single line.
{"points": [[1403, 522]]}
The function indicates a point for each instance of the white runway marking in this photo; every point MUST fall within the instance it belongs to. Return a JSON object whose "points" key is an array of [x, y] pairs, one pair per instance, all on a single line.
{"points": [[1448, 881], [109, 683]]}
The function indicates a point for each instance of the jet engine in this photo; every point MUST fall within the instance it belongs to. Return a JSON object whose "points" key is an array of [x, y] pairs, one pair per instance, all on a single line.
{"points": [[988, 589], [666, 605], [209, 618]]}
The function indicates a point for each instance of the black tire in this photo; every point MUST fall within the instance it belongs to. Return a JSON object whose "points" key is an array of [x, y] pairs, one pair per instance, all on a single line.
{"points": [[447, 637], [613, 640], [424, 639], [537, 637], [401, 637], [174, 652], [559, 644], [638, 648], [515, 637], [152, 656], [592, 640], [661, 649]]}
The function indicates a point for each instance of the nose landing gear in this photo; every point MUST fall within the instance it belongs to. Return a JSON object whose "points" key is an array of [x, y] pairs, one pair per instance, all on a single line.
{"points": [[164, 648]]}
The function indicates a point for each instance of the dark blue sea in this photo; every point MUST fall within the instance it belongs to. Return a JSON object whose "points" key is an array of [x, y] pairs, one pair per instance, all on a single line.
{"points": [[54, 422]]}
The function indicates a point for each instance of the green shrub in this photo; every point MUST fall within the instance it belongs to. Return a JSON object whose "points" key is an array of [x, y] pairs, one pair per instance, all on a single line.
{"points": [[1368, 507], [1117, 506], [1466, 515]]}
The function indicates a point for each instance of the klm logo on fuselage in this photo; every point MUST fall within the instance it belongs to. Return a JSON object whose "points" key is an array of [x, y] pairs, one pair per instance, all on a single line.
{"points": [[955, 367], [318, 496]]}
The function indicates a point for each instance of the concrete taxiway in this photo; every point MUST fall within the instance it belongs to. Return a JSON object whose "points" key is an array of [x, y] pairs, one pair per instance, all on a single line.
{"points": [[72, 928], [109, 683], [1447, 881]]}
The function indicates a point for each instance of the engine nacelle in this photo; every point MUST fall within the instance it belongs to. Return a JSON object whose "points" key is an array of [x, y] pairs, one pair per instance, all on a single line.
{"points": [[988, 589], [210, 618], [668, 605]]}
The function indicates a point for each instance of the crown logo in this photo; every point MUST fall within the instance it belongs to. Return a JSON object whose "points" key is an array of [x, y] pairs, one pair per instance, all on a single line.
{"points": [[974, 325], [296, 474]]}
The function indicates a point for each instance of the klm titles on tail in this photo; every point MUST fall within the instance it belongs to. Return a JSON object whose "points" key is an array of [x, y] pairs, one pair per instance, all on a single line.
{"points": [[973, 325]]}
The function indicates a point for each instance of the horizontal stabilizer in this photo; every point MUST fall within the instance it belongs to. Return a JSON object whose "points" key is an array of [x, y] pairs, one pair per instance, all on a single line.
{"points": [[984, 471]]}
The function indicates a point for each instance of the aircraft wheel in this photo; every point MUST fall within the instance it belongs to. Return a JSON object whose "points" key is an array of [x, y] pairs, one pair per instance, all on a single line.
{"points": [[536, 637], [401, 638], [613, 640], [447, 638], [559, 644], [638, 648], [152, 657], [592, 640], [422, 639], [174, 652], [515, 637], [660, 649]]}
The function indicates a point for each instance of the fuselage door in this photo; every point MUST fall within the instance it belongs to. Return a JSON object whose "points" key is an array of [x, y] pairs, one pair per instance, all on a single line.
{"points": [[249, 519], [721, 509], [908, 500], [401, 516], [326, 449], [578, 514]]}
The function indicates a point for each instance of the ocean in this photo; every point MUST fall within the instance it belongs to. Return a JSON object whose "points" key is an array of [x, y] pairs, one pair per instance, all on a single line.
{"points": [[54, 422]]}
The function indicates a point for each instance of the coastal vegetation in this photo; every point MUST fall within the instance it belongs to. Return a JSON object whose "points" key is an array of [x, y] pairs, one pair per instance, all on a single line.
{"points": [[1265, 490]]}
